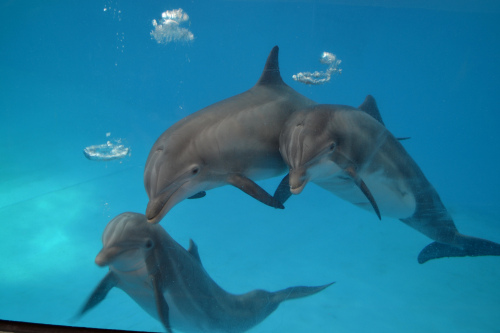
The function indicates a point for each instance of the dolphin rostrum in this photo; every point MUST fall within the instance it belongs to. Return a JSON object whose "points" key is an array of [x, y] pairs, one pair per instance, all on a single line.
{"points": [[171, 284], [350, 153], [234, 141]]}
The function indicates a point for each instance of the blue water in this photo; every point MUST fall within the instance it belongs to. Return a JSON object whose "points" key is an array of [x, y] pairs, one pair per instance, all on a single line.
{"points": [[71, 72]]}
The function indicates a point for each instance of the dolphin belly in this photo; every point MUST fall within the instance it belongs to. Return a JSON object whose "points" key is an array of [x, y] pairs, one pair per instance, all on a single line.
{"points": [[137, 285], [393, 196], [394, 199], [191, 319]]}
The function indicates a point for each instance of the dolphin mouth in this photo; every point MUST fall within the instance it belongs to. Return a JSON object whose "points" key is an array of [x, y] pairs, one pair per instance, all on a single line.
{"points": [[298, 180], [160, 205], [154, 214], [157, 209], [298, 189]]}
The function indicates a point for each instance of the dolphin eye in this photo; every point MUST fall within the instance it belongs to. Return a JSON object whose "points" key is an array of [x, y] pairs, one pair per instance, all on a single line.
{"points": [[149, 244], [195, 170], [332, 147]]}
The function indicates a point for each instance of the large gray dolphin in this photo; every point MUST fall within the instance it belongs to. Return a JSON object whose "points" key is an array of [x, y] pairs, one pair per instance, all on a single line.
{"points": [[350, 153], [171, 284], [234, 141]]}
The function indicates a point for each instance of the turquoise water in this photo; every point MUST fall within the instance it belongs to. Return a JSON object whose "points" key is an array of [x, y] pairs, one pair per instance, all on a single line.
{"points": [[71, 72]]}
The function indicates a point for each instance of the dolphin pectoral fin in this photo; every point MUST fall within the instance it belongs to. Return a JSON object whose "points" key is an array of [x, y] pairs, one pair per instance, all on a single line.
{"points": [[161, 304], [472, 247], [251, 188], [370, 198], [349, 167], [282, 193], [100, 292], [362, 186], [198, 195], [156, 282]]}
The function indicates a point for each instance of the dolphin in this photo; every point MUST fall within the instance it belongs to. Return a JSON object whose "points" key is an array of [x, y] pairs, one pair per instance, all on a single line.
{"points": [[349, 152], [234, 141], [171, 283]]}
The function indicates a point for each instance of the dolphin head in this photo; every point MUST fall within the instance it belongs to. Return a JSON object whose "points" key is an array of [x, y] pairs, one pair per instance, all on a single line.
{"points": [[307, 143], [172, 173], [127, 241]]}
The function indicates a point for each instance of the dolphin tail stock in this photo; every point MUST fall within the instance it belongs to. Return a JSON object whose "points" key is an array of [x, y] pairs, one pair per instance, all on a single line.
{"points": [[296, 292], [472, 247]]}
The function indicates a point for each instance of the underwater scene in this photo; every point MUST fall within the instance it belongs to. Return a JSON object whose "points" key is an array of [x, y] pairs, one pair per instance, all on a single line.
{"points": [[341, 176]]}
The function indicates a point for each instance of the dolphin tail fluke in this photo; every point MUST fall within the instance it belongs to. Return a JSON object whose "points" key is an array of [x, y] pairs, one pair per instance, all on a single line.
{"points": [[472, 247], [297, 292]]}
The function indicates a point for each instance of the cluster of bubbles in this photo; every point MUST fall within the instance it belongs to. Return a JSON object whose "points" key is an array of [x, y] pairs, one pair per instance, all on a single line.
{"points": [[107, 151], [120, 38], [321, 77], [117, 14], [169, 30]]}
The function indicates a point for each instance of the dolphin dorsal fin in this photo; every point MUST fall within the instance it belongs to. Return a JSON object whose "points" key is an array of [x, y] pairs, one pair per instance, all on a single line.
{"points": [[271, 73], [193, 250], [370, 106]]}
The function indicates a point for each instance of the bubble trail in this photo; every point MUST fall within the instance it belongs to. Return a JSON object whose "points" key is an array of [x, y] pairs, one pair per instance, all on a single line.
{"points": [[321, 77]]}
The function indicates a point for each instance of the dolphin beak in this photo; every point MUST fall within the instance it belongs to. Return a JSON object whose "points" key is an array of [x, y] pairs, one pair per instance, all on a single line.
{"points": [[161, 204], [107, 255], [155, 210], [298, 180]]}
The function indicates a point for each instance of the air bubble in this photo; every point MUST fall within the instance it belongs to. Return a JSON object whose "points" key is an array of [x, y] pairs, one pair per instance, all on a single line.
{"points": [[317, 77], [169, 30], [106, 152]]}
